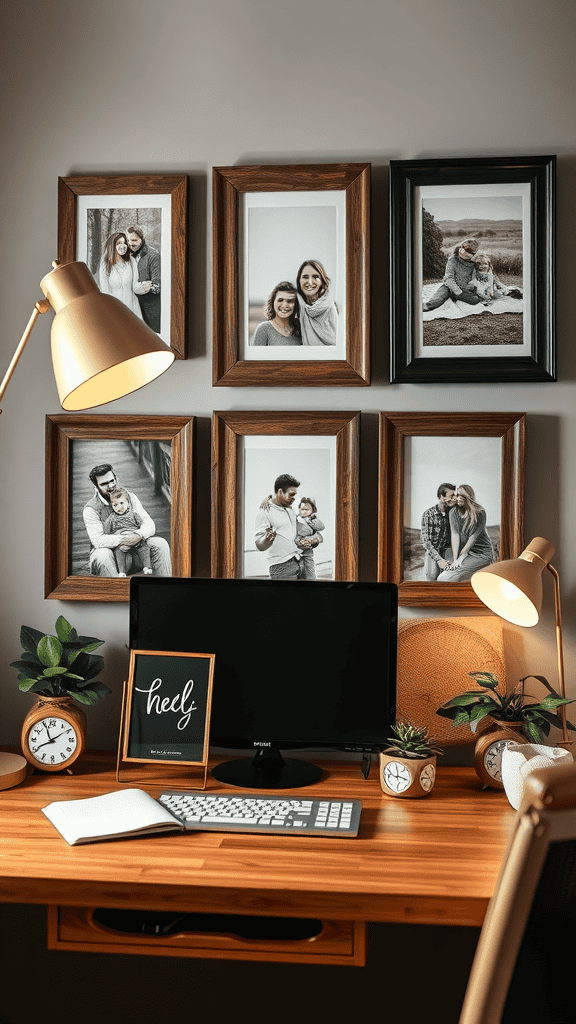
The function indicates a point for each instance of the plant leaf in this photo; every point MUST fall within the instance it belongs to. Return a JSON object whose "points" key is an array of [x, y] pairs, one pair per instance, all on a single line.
{"points": [[99, 688], [470, 697], [56, 670], [64, 630], [478, 713], [84, 696], [27, 666], [531, 730], [554, 702], [462, 718], [26, 684], [487, 679], [30, 638], [49, 650]]}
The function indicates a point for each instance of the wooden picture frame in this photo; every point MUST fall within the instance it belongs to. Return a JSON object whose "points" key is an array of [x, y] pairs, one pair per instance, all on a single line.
{"points": [[488, 448], [236, 282], [507, 207], [155, 450], [229, 433], [81, 238], [183, 688]]}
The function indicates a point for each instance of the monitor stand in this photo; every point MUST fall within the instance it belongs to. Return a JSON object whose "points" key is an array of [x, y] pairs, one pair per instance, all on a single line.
{"points": [[267, 770]]}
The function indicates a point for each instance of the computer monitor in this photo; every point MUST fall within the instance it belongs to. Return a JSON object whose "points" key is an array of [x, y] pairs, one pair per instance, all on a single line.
{"points": [[300, 665]]}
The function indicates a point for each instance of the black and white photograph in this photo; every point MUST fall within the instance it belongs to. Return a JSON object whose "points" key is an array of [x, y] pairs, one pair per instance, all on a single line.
{"points": [[131, 231], [452, 507], [124, 247], [473, 270], [294, 281], [121, 508], [450, 501], [122, 503], [285, 495], [475, 247], [291, 275], [289, 507]]}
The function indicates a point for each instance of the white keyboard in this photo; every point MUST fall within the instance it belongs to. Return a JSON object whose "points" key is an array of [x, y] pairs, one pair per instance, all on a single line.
{"points": [[264, 812]]}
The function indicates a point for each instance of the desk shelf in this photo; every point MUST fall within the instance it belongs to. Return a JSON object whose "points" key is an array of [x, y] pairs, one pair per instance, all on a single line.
{"points": [[209, 936]]}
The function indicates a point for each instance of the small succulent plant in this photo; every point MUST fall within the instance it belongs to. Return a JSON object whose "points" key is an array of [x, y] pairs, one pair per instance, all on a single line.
{"points": [[411, 741], [472, 707]]}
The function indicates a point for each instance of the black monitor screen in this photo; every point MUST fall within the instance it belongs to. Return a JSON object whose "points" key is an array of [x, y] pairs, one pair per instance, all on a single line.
{"points": [[299, 664]]}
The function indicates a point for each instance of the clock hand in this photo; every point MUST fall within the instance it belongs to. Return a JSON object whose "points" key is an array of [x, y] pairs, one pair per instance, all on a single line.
{"points": [[52, 740]]}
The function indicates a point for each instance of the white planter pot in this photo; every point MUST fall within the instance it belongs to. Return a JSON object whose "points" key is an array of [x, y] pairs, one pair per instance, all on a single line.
{"points": [[520, 759]]}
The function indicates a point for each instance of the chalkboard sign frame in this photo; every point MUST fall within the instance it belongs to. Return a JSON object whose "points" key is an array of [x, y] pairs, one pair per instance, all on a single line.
{"points": [[190, 692]]}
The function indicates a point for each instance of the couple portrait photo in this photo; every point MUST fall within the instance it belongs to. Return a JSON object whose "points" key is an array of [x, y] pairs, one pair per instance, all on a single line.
{"points": [[474, 251], [451, 528], [294, 280], [288, 510], [125, 247]]}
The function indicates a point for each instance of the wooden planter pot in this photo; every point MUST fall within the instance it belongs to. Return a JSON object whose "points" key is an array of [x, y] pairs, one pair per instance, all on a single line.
{"points": [[407, 776]]}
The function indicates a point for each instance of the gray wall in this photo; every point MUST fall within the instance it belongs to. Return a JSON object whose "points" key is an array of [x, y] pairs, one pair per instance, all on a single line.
{"points": [[120, 86], [178, 87]]}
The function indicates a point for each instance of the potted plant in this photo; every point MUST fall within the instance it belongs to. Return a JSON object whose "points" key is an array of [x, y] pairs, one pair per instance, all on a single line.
{"points": [[508, 717], [62, 670], [408, 766]]}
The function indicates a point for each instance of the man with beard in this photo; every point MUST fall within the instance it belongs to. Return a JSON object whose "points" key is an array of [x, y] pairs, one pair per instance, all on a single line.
{"points": [[96, 512], [435, 532], [148, 262]]}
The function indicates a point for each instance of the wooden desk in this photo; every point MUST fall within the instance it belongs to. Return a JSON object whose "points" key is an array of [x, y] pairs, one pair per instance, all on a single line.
{"points": [[432, 861]]}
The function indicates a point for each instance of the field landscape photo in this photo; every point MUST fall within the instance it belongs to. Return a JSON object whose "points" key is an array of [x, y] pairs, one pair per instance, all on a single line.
{"points": [[496, 223]]}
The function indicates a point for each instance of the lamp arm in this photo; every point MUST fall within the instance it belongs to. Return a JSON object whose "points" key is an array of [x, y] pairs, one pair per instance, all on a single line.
{"points": [[41, 307], [566, 741]]}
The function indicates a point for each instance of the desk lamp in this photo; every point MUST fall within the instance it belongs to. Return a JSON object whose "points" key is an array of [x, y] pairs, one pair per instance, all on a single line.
{"points": [[101, 351], [513, 589]]}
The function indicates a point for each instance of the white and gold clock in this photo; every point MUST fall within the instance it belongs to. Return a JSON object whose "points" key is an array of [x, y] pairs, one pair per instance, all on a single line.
{"points": [[53, 734]]}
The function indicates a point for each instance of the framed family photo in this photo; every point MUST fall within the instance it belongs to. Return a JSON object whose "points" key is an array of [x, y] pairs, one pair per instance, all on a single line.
{"points": [[472, 270], [451, 501], [118, 502], [131, 231], [285, 495], [291, 275]]}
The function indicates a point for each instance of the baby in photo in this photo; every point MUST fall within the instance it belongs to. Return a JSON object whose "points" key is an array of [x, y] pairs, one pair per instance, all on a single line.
{"points": [[309, 527], [124, 520]]}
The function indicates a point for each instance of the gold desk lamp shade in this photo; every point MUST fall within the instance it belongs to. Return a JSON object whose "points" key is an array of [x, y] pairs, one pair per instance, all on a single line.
{"points": [[513, 589], [101, 350]]}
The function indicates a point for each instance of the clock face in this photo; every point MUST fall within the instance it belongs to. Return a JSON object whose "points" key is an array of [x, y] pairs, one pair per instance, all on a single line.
{"points": [[52, 742], [493, 759], [427, 776], [397, 777]]}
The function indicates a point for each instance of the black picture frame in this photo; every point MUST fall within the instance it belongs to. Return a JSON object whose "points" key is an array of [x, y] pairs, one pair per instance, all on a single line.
{"points": [[537, 360]]}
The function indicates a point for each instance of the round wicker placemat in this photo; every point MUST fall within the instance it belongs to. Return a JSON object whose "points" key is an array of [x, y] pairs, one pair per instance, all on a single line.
{"points": [[434, 657]]}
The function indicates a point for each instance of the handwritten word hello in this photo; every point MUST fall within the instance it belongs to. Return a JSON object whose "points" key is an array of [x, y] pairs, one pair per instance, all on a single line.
{"points": [[178, 703]]}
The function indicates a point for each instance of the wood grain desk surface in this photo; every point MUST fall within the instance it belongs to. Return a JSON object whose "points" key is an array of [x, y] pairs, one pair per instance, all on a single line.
{"points": [[433, 860]]}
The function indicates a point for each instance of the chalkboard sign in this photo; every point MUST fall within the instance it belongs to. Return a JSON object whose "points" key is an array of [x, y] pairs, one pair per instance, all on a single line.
{"points": [[166, 715]]}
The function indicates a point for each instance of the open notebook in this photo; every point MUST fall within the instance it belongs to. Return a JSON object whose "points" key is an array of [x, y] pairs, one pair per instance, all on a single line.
{"points": [[129, 812]]}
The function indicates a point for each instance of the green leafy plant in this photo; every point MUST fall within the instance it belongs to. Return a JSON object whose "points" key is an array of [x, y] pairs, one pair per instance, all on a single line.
{"points": [[61, 665], [471, 708], [411, 741]]}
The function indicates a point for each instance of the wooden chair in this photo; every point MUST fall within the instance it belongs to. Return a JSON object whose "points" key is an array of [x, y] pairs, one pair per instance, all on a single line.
{"points": [[523, 969]]}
